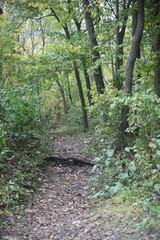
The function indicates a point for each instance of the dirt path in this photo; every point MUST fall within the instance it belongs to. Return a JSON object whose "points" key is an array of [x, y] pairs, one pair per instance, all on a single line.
{"points": [[61, 208]]}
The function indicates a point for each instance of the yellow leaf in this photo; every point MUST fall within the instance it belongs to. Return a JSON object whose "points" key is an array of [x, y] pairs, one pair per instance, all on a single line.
{"points": [[6, 213], [152, 145], [139, 210], [87, 8]]}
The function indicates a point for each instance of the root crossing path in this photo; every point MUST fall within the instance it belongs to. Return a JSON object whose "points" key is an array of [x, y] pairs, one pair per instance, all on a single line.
{"points": [[61, 208]]}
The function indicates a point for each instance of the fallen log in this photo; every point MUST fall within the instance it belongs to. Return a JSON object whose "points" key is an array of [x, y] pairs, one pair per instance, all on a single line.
{"points": [[68, 161]]}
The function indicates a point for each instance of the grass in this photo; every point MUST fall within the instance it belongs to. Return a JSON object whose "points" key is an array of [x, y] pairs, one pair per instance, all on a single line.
{"points": [[126, 213]]}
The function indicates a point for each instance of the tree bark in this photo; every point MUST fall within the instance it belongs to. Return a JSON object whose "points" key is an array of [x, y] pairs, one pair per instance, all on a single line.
{"points": [[135, 48], [129, 70], [86, 75], [155, 5], [120, 33], [84, 111], [88, 86], [1, 12], [94, 44], [1, 67], [156, 47], [32, 38], [66, 108], [69, 91], [43, 35], [134, 22]]}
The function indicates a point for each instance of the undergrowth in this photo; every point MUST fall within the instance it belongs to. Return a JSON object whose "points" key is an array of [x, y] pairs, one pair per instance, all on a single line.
{"points": [[22, 142], [135, 169]]}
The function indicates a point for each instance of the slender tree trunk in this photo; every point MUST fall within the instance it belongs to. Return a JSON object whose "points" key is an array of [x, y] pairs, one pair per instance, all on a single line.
{"points": [[155, 4], [93, 43], [1, 82], [120, 33], [83, 105], [43, 35], [129, 70], [135, 48], [134, 17], [118, 80], [119, 57], [86, 75], [32, 38], [63, 97], [88, 85], [134, 22], [156, 48], [1, 12], [112, 62], [1, 69], [84, 111], [69, 91]]}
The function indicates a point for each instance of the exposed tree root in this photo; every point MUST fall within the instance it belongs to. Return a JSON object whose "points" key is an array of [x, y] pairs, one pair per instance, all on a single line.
{"points": [[68, 161]]}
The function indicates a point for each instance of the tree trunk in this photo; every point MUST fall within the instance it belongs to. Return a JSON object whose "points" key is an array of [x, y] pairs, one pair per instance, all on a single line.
{"points": [[86, 75], [155, 4], [129, 70], [120, 33], [84, 111], [135, 48], [66, 108], [93, 44], [43, 35], [119, 57], [1, 70], [1, 78], [69, 91], [156, 48], [134, 22], [1, 12], [88, 85]]}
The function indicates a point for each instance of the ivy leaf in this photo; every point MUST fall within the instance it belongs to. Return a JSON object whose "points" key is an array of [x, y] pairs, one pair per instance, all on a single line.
{"points": [[107, 163], [158, 142], [127, 149], [132, 167], [123, 176], [158, 152], [93, 169], [116, 188], [110, 152]]}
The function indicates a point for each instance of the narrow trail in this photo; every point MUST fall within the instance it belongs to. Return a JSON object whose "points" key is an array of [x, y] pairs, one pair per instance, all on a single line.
{"points": [[61, 209]]}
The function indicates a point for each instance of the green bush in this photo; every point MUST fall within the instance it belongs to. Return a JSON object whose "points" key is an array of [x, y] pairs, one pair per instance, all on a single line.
{"points": [[138, 165], [21, 113]]}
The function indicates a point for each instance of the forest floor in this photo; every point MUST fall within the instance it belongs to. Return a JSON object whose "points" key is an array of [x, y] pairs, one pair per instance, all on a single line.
{"points": [[61, 208]]}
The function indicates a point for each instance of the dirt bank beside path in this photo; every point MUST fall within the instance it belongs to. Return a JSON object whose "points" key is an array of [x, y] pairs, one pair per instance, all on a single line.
{"points": [[61, 208]]}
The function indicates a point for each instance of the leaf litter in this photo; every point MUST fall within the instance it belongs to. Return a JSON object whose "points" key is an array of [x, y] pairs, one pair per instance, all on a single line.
{"points": [[61, 208]]}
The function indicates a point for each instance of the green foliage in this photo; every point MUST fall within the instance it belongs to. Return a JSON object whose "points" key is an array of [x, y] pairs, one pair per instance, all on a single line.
{"points": [[21, 115], [144, 114], [19, 144], [137, 166]]}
